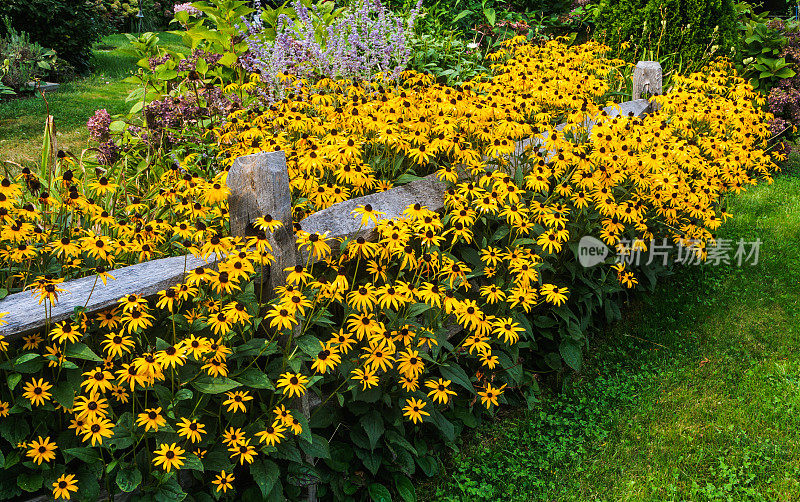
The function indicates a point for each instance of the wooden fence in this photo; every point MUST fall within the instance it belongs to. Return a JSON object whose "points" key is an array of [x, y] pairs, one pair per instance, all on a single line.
{"points": [[259, 185]]}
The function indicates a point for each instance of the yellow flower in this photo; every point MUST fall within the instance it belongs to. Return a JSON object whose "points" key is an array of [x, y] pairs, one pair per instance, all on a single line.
{"points": [[414, 410], [63, 485], [151, 418], [236, 400], [97, 381], [367, 214], [490, 395], [42, 450], [439, 390], [272, 435], [169, 456], [191, 429], [223, 481], [292, 384], [36, 391], [245, 451]]}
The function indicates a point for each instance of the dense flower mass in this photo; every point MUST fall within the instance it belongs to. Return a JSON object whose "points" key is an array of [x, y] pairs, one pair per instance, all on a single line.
{"points": [[441, 317]]}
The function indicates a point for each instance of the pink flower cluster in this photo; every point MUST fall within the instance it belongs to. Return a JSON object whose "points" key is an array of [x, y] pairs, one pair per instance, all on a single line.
{"points": [[186, 7]]}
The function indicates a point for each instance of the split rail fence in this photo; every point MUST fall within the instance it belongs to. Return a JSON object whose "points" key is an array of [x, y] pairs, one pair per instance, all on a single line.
{"points": [[259, 185]]}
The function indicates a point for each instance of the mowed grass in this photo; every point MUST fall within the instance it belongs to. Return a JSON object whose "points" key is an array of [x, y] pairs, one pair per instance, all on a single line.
{"points": [[22, 120], [693, 396]]}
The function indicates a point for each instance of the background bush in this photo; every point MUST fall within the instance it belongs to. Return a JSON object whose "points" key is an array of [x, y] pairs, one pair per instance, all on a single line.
{"points": [[70, 27], [653, 29]]}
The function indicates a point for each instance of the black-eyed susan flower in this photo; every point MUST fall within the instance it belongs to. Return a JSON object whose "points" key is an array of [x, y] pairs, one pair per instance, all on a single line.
{"points": [[191, 429], [292, 384], [36, 391], [236, 401], [168, 456], [490, 395], [151, 418], [272, 434], [115, 344], [96, 430], [439, 390], [63, 485], [327, 358], [42, 450], [414, 410], [366, 377], [223, 481], [97, 381], [245, 451]]}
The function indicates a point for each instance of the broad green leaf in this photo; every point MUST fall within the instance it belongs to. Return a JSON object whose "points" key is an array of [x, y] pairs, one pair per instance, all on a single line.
{"points": [[456, 374], [405, 488], [379, 493], [13, 379], [129, 478], [192, 462], [84, 453], [266, 474], [372, 423], [81, 351], [571, 352], [217, 385], [30, 482]]}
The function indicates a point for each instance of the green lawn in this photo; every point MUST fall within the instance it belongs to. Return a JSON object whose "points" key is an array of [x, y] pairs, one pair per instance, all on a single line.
{"points": [[693, 396], [22, 120]]}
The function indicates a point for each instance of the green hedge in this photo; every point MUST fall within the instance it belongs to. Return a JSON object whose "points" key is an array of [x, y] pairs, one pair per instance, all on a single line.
{"points": [[70, 27], [656, 29]]}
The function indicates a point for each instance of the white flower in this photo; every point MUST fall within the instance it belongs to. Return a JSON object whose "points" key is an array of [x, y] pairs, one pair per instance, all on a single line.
{"points": [[472, 45]]}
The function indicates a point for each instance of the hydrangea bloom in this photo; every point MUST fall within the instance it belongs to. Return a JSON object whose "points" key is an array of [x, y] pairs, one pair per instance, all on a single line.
{"points": [[186, 7]]}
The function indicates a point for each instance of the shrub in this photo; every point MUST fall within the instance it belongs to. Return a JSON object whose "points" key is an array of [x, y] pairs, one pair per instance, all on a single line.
{"points": [[121, 15], [402, 342], [688, 32], [24, 61], [784, 98], [70, 27]]}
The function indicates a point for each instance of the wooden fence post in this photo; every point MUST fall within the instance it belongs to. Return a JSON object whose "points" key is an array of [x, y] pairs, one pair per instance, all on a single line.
{"points": [[646, 78], [259, 186]]}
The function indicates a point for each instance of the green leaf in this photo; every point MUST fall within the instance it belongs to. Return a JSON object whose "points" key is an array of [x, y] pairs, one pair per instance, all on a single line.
{"points": [[405, 488], [256, 379], [13, 379], [379, 493], [309, 345], [491, 16], [571, 352], [84, 453], [266, 474], [81, 351], [229, 59], [209, 385], [14, 429], [129, 478], [372, 423], [461, 15], [192, 462], [428, 464], [456, 373], [317, 448], [28, 363], [30, 482], [64, 392]]}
